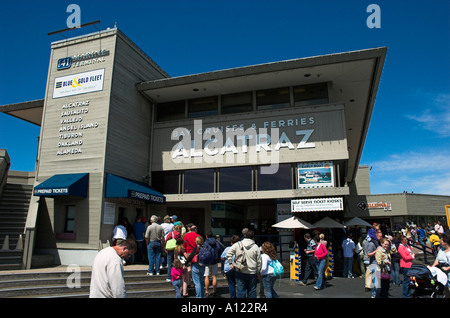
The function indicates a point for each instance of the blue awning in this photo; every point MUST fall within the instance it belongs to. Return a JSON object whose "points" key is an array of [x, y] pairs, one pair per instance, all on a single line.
{"points": [[119, 187], [74, 184]]}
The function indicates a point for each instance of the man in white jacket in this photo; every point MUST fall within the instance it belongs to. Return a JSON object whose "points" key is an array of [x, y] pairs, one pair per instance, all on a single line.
{"points": [[247, 270], [107, 271]]}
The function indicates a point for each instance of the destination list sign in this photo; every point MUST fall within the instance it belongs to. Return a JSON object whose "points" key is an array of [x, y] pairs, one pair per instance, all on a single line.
{"points": [[74, 127]]}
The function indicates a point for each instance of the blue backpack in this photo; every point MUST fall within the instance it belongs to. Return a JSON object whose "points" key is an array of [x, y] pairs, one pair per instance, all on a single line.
{"points": [[206, 255], [278, 269]]}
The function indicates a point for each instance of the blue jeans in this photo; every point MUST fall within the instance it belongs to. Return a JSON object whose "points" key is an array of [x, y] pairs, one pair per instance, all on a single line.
{"points": [[406, 290], [197, 277], [395, 272], [348, 267], [375, 279], [154, 256], [311, 267], [231, 279], [177, 284], [268, 282], [246, 285], [140, 245], [320, 283], [169, 263]]}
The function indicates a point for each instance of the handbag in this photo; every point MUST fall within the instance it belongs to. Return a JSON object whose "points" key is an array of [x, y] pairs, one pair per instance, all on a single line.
{"points": [[385, 275], [171, 244], [193, 259]]}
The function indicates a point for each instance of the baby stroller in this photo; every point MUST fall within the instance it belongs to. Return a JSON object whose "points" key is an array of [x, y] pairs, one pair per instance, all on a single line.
{"points": [[427, 282]]}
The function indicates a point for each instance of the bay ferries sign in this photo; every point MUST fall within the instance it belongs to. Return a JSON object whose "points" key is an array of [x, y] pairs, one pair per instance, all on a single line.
{"points": [[266, 140]]}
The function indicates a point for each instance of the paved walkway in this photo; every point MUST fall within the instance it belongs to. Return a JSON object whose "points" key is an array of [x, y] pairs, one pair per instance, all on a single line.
{"points": [[337, 287]]}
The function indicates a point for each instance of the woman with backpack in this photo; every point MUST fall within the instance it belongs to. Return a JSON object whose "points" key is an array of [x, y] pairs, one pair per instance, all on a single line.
{"points": [[268, 256]]}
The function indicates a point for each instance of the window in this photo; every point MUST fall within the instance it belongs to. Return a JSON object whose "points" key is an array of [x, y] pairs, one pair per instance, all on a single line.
{"points": [[313, 94], [199, 181], [170, 111], [280, 180], [237, 103], [69, 226], [202, 107], [273, 98], [166, 182], [235, 179]]}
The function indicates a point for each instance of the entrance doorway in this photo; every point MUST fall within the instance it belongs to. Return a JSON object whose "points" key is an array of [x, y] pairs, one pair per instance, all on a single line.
{"points": [[189, 215]]}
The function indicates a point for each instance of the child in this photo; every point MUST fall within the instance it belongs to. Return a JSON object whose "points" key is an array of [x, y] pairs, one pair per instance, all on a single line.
{"points": [[176, 273]]}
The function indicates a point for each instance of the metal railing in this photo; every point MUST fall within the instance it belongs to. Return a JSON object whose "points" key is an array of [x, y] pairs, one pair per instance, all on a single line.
{"points": [[424, 248]]}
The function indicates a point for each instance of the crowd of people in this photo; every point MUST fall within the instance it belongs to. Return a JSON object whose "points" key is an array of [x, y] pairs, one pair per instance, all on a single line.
{"points": [[384, 256], [190, 257], [381, 256]]}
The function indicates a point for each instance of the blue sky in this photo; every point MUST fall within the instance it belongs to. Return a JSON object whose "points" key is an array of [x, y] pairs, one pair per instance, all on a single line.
{"points": [[408, 143]]}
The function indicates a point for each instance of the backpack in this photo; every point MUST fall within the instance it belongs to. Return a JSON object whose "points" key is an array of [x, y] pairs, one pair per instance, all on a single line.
{"points": [[218, 250], [278, 269], [240, 260], [206, 255]]}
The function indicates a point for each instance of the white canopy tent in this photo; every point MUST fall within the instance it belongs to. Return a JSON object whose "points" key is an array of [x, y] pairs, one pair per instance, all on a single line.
{"points": [[293, 223]]}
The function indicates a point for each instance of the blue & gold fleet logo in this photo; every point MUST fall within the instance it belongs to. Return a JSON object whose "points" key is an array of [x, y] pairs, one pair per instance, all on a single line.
{"points": [[74, 83]]}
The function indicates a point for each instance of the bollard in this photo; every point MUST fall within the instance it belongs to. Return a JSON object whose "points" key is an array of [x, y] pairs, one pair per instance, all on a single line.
{"points": [[330, 262], [19, 245], [5, 246], [295, 264]]}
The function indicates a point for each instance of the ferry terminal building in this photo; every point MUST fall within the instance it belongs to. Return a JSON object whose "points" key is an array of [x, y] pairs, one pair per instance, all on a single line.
{"points": [[224, 149]]}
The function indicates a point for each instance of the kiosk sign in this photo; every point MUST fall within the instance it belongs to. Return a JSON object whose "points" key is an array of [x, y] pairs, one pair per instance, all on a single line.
{"points": [[317, 205]]}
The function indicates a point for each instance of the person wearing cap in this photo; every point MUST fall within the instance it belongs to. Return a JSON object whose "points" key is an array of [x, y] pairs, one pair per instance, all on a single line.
{"points": [[174, 220]]}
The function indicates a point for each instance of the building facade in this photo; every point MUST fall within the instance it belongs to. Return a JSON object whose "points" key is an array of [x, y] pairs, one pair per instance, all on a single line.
{"points": [[395, 208], [224, 150]]}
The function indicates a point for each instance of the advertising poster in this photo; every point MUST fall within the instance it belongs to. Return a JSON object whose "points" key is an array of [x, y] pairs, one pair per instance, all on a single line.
{"points": [[76, 84], [315, 175]]}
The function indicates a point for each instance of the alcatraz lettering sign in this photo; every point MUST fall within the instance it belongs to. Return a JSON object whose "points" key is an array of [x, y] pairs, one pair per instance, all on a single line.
{"points": [[236, 138], [260, 138]]}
